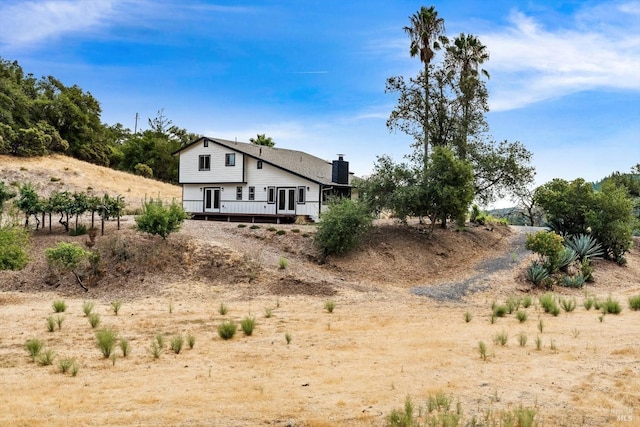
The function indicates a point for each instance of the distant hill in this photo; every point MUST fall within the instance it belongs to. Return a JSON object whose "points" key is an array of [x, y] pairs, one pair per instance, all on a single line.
{"points": [[58, 172]]}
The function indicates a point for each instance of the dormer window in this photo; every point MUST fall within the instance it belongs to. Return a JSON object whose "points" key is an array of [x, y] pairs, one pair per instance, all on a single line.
{"points": [[230, 159]]}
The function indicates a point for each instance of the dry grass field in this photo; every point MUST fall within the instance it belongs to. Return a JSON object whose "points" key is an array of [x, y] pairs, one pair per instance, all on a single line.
{"points": [[351, 367]]}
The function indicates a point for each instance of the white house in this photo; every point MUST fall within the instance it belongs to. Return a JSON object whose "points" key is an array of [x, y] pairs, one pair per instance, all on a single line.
{"points": [[231, 179]]}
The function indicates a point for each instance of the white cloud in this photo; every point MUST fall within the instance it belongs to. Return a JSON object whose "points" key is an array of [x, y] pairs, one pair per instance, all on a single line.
{"points": [[25, 23], [530, 63]]}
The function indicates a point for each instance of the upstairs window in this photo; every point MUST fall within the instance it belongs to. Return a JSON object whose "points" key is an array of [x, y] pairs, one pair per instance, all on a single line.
{"points": [[206, 143], [259, 164], [252, 193], [238, 193], [301, 195], [230, 159], [204, 162]]}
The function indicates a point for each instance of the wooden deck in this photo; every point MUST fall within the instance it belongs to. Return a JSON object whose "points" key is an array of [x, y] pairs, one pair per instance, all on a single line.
{"points": [[249, 218]]}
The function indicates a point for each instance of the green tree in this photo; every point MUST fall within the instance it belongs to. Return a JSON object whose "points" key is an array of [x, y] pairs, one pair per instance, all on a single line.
{"points": [[29, 203], [61, 203], [156, 219], [342, 226], [611, 220], [261, 139], [67, 257], [566, 204]]}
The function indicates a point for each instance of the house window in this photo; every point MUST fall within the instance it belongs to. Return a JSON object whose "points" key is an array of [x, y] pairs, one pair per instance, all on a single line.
{"points": [[206, 143], [259, 164], [230, 159], [252, 193], [238, 193], [271, 195], [301, 195], [204, 163]]}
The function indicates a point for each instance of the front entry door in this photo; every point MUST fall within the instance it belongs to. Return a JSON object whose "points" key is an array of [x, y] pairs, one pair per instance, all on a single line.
{"points": [[286, 200], [212, 199]]}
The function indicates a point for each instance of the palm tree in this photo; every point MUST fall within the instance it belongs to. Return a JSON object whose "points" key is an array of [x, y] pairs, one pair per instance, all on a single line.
{"points": [[261, 139], [427, 34], [464, 57]]}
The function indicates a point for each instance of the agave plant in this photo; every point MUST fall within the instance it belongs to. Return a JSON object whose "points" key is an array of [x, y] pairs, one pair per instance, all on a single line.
{"points": [[566, 258], [536, 273], [585, 246]]}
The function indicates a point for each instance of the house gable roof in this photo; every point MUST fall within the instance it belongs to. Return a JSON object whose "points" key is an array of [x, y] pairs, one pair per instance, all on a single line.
{"points": [[294, 161]]}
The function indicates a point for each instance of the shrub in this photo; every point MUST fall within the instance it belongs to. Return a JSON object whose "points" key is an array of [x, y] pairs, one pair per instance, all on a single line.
{"points": [[59, 306], [254, 227], [87, 307], [33, 347], [501, 338], [106, 339], [342, 226], [271, 228], [45, 358], [522, 339], [282, 263], [67, 257], [13, 244], [521, 316], [80, 230], [482, 348], [226, 330], [242, 225], [548, 245], [51, 324], [125, 347], [115, 305], [568, 305], [191, 341], [634, 303], [281, 232], [500, 310], [223, 309], [329, 305], [158, 220], [576, 281], [536, 273], [176, 344], [94, 319], [611, 306], [248, 324], [586, 270]]}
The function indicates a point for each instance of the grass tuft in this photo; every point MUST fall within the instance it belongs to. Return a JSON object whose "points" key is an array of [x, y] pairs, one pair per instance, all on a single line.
{"points": [[500, 310], [521, 315], [87, 307], [522, 339], [59, 321], [634, 303], [568, 305], [33, 347], [526, 301], [106, 340], [115, 306], [611, 306], [288, 338], [282, 263], [51, 324], [45, 358], [65, 365], [268, 312], [223, 309], [501, 338], [329, 305], [94, 319], [191, 341], [482, 349], [467, 317], [248, 324], [226, 330], [59, 306], [125, 347], [176, 344]]}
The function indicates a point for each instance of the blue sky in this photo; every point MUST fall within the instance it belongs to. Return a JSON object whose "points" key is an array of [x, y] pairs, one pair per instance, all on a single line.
{"points": [[565, 75]]}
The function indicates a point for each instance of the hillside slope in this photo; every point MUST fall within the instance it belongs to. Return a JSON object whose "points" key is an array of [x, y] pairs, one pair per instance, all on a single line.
{"points": [[57, 172]]}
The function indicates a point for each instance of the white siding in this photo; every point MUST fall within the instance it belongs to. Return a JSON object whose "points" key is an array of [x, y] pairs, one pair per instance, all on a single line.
{"points": [[228, 178], [189, 163]]}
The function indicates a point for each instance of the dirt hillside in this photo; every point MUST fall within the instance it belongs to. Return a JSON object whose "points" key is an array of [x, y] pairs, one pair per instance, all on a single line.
{"points": [[410, 311]]}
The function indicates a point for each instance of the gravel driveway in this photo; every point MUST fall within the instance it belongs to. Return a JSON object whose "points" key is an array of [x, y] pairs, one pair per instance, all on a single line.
{"points": [[481, 279]]}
